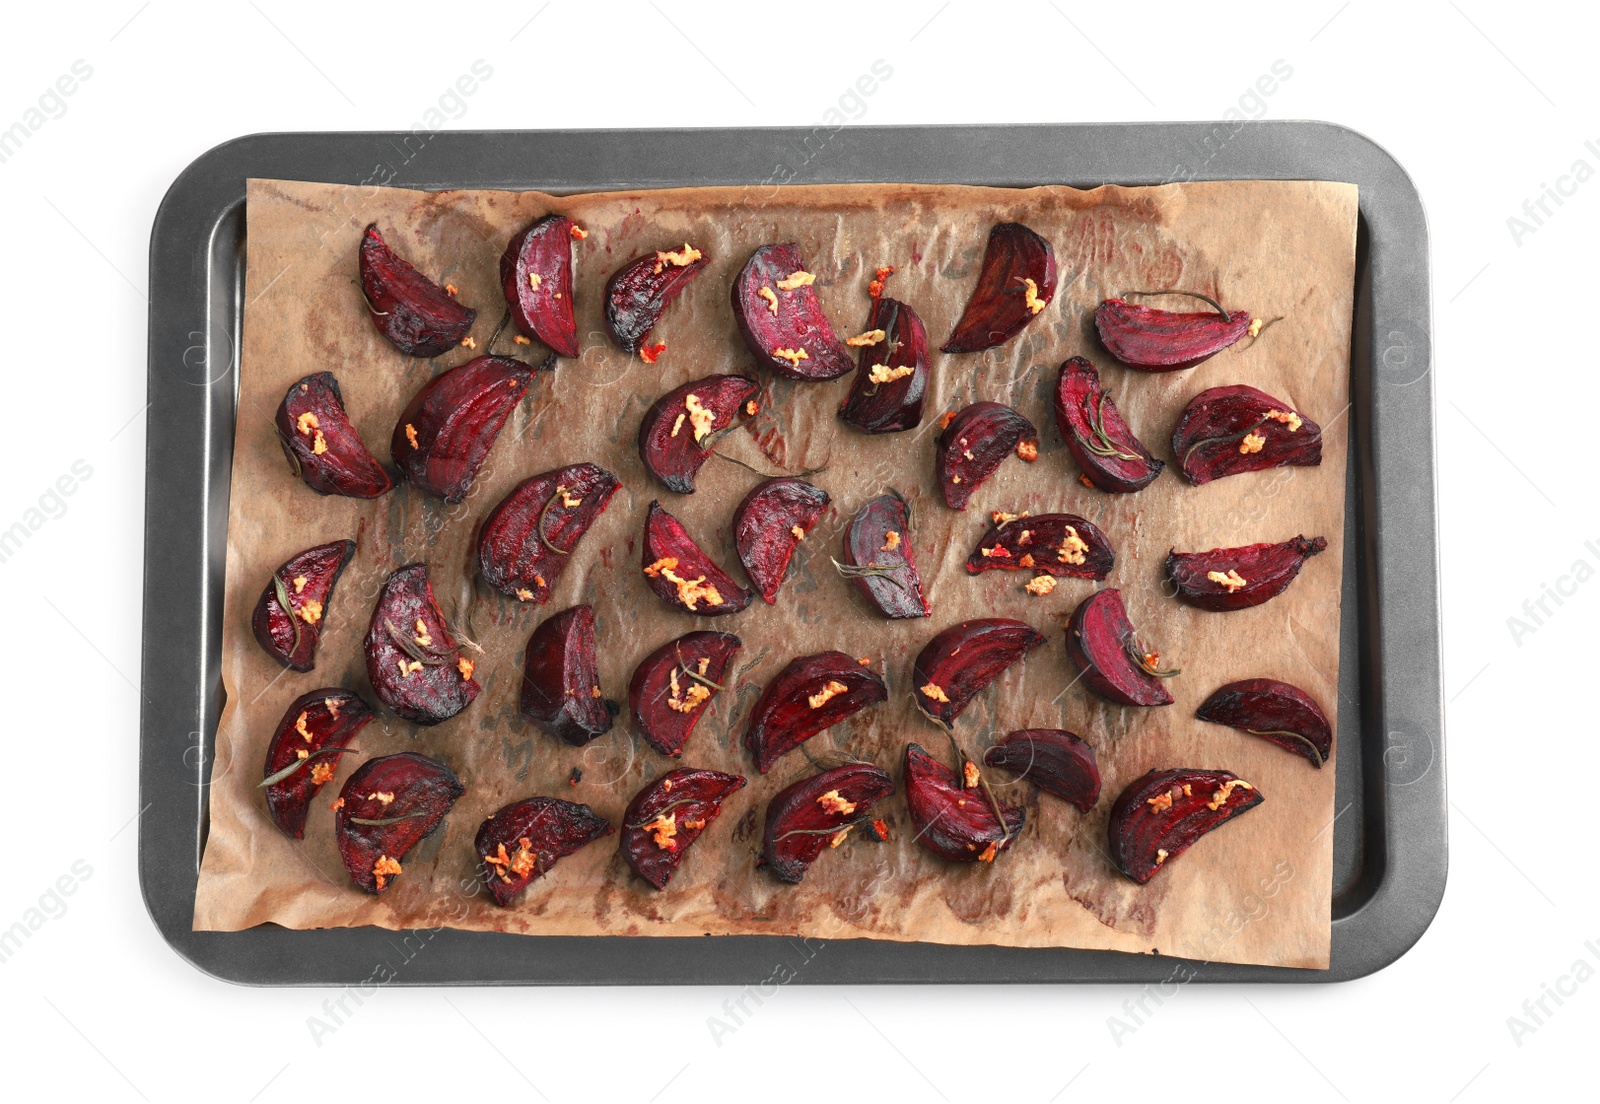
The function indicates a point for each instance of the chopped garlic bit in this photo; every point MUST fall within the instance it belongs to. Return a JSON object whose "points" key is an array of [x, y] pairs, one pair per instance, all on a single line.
{"points": [[302, 753], [1232, 579], [652, 353], [310, 612], [751, 408], [1026, 561], [686, 700], [793, 356], [799, 533], [307, 422], [1027, 535], [794, 280], [688, 255], [579, 233], [663, 828], [997, 553], [1256, 325], [566, 498], [699, 417], [1161, 802], [865, 661], [524, 594], [882, 373], [1252, 443], [891, 541], [469, 342], [1041, 585], [384, 869], [411, 434], [665, 563], [1220, 798], [871, 337], [384, 797], [771, 297], [534, 280], [520, 340], [407, 669], [830, 691], [464, 665], [300, 582], [1028, 450], [319, 444], [677, 425], [990, 851], [338, 803], [832, 802], [934, 692], [690, 591], [1072, 549], [1000, 517], [300, 727], [450, 289], [1031, 296], [1286, 417], [332, 706], [422, 635], [946, 418], [969, 774], [838, 837], [321, 773], [1161, 855]]}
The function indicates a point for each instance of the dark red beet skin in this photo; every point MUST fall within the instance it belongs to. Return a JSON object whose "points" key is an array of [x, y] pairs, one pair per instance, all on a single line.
{"points": [[816, 814], [667, 816], [1110, 657], [1276, 711], [959, 664], [1063, 545], [1237, 578], [415, 666], [528, 539], [673, 686], [1057, 761], [1229, 430], [417, 315], [683, 576], [560, 680], [974, 443], [678, 430], [1165, 341], [306, 581], [639, 292], [811, 693], [1160, 815], [321, 444], [1111, 457], [448, 427], [769, 525], [314, 729], [891, 381], [955, 822], [1017, 281], [776, 318], [536, 277], [878, 557], [520, 843], [387, 807]]}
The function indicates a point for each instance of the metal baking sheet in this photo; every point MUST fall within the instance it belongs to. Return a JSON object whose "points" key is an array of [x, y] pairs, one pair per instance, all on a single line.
{"points": [[1390, 831]]}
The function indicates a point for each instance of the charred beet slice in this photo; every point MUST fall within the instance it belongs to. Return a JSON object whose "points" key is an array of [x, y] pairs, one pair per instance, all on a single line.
{"points": [[449, 426], [672, 688], [561, 681], [668, 815], [639, 292], [305, 751], [960, 663], [681, 574], [1057, 761], [1238, 578], [528, 538], [322, 445], [956, 817], [1016, 282], [1160, 815], [1165, 341], [769, 524], [782, 319], [416, 668], [536, 277], [877, 555], [810, 694], [1229, 430], [973, 445], [521, 842], [1105, 448], [417, 315], [817, 813], [289, 614], [891, 381], [388, 806], [1112, 661], [678, 431], [1275, 711], [1064, 545]]}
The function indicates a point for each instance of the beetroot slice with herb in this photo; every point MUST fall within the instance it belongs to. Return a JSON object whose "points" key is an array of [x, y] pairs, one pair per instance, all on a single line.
{"points": [[1230, 430], [1063, 545], [955, 815], [1110, 657], [817, 813], [892, 374], [322, 446], [1016, 282], [1237, 578], [679, 429], [638, 293], [417, 315], [388, 806], [1154, 340], [415, 666], [560, 679], [1160, 815], [449, 426], [878, 558], [519, 843], [290, 613], [305, 751], [672, 687], [528, 539], [1111, 457], [782, 319], [974, 443], [810, 694], [1057, 761], [769, 525], [667, 816], [536, 277], [681, 574], [1276, 711]]}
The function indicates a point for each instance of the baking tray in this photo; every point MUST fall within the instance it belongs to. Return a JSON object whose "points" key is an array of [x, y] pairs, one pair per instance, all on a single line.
{"points": [[1390, 828]]}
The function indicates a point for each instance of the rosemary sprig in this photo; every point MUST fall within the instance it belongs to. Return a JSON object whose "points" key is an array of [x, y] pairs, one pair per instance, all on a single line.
{"points": [[281, 593], [550, 502], [696, 675], [1191, 294], [1292, 735], [366, 822], [867, 571], [1241, 435], [278, 776], [1102, 445], [1136, 653], [845, 827], [425, 656], [376, 312], [668, 807]]}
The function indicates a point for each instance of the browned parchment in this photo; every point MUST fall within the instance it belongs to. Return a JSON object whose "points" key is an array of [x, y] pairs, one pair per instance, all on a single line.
{"points": [[1256, 891]]}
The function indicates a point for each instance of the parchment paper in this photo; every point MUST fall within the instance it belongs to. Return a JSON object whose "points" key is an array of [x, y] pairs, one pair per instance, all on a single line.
{"points": [[1258, 890]]}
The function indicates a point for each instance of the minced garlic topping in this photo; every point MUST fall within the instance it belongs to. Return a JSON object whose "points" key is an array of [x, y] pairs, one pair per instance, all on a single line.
{"points": [[871, 337], [679, 259], [793, 356], [833, 689], [1031, 297], [1161, 855], [524, 594], [838, 837], [1041, 585], [469, 342], [1072, 549], [663, 828], [652, 353], [677, 425], [1028, 450], [771, 297], [882, 373], [321, 773], [751, 408], [699, 417], [520, 340], [969, 775], [422, 636], [934, 692], [407, 669], [411, 434], [997, 552], [1220, 798], [579, 233], [384, 797], [665, 563], [464, 665], [384, 869], [310, 612], [566, 498], [300, 727], [307, 422], [1256, 325], [990, 851], [300, 582], [338, 803], [686, 701], [1000, 517], [1027, 535], [1252, 443], [1232, 579], [799, 533], [534, 280], [1161, 802], [1026, 561], [1286, 417], [891, 541], [319, 444], [796, 280], [831, 802], [332, 706], [690, 591]]}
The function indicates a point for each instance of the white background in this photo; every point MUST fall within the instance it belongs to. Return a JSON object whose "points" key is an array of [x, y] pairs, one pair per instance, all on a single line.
{"points": [[1484, 104]]}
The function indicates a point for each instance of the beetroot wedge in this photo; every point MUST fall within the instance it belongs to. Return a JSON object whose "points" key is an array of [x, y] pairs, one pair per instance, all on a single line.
{"points": [[417, 315], [891, 381], [1161, 814], [782, 319], [1063, 545], [877, 556], [529, 537], [1057, 761], [956, 817], [974, 443], [810, 694], [321, 444], [667, 816], [416, 668], [1276, 711], [959, 663], [288, 617], [1229, 430], [678, 431], [769, 525], [522, 841], [1016, 282], [387, 807], [673, 686], [1165, 341], [304, 754], [1111, 457], [1238, 578], [1109, 656], [561, 681], [681, 574], [536, 277], [817, 813], [450, 425], [638, 293]]}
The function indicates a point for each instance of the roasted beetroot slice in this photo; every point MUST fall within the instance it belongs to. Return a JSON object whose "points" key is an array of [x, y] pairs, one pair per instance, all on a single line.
{"points": [[1165, 341], [672, 687], [678, 431], [521, 842], [954, 821], [1057, 761], [388, 806], [769, 524], [959, 663], [782, 319], [1229, 430], [416, 668], [1016, 282], [1237, 578], [817, 813], [528, 539], [668, 815], [289, 614], [639, 292], [681, 574], [417, 315], [973, 445], [891, 381], [536, 276], [1064, 545], [1111, 457], [1275, 711], [878, 557], [811, 693], [1110, 657], [449, 426], [561, 681], [1158, 816], [305, 752], [321, 444]]}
